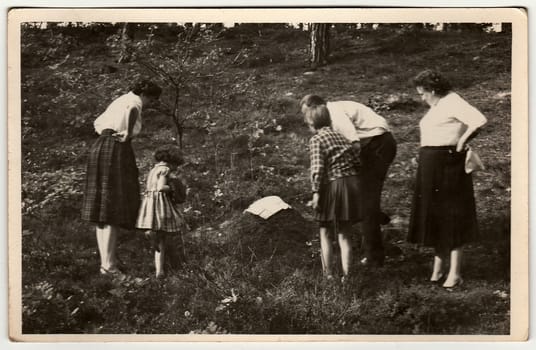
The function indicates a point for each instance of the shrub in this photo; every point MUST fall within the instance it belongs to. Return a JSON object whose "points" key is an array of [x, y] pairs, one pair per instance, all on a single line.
{"points": [[50, 193]]}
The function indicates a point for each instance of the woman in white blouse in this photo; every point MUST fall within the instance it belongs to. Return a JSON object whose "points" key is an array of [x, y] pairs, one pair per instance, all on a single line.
{"points": [[443, 214], [112, 195]]}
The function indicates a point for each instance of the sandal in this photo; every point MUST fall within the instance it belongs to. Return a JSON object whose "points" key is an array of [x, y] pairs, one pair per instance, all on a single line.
{"points": [[458, 282], [439, 277]]}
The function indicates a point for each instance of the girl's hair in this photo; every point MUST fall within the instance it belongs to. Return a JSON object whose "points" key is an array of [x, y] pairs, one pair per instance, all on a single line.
{"points": [[318, 116], [169, 154], [312, 100], [431, 80], [147, 87]]}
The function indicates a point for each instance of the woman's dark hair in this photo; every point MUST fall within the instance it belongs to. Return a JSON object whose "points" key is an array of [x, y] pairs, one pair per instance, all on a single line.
{"points": [[318, 116], [169, 154], [146, 87], [312, 100], [431, 80]]}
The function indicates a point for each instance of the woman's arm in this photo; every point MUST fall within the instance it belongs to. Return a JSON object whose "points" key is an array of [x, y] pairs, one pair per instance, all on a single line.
{"points": [[127, 134], [471, 117], [469, 134]]}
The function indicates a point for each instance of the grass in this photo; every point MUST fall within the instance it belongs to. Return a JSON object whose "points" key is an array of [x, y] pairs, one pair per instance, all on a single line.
{"points": [[236, 273]]}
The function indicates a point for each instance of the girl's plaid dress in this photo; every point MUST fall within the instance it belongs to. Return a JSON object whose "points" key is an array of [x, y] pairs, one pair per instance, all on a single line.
{"points": [[157, 212]]}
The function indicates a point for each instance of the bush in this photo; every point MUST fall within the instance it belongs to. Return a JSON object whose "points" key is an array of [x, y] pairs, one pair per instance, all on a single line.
{"points": [[405, 43], [40, 47], [50, 193]]}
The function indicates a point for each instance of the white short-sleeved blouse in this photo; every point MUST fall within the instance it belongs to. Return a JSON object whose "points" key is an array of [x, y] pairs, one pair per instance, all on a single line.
{"points": [[116, 116], [355, 121], [446, 122]]}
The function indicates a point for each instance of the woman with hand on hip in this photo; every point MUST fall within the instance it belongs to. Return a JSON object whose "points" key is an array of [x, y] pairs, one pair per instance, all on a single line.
{"points": [[443, 214], [112, 194]]}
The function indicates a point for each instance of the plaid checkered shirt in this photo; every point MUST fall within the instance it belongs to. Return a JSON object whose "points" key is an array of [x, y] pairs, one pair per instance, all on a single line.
{"points": [[332, 157]]}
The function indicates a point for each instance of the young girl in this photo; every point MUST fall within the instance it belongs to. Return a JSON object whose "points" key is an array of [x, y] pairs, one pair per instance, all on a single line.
{"points": [[334, 170], [157, 214]]}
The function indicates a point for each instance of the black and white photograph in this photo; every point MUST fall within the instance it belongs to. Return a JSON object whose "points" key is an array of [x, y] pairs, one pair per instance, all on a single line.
{"points": [[268, 174]]}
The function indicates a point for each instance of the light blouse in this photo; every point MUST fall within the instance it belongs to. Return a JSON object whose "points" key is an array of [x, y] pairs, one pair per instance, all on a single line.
{"points": [[116, 116], [355, 121], [447, 121]]}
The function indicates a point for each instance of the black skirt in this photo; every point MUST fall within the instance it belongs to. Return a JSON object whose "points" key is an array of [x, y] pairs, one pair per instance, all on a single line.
{"points": [[112, 193], [339, 202], [443, 213]]}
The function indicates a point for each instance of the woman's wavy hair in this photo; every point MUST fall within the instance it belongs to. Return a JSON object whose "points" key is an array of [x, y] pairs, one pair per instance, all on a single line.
{"points": [[146, 87], [431, 80]]}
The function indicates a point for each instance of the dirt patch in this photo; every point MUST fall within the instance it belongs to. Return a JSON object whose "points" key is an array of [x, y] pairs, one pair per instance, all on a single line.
{"points": [[250, 237]]}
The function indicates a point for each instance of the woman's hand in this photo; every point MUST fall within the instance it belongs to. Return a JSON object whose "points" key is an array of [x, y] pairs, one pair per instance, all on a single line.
{"points": [[356, 146], [121, 136], [468, 135]]}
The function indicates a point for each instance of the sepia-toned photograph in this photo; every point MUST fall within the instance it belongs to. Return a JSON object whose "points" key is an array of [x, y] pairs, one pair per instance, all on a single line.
{"points": [[273, 174]]}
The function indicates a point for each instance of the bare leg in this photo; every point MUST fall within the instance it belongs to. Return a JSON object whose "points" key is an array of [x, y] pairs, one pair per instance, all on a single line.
{"points": [[454, 276], [159, 256], [437, 272], [326, 251], [346, 249], [107, 243]]}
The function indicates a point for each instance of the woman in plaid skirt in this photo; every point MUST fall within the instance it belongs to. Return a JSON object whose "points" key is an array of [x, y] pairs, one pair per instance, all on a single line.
{"points": [[157, 214], [334, 178], [111, 197]]}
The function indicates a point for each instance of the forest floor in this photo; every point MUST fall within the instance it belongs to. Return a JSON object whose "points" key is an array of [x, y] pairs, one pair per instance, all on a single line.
{"points": [[235, 273]]}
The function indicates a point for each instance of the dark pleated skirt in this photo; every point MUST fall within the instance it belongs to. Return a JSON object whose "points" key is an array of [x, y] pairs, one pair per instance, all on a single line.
{"points": [[443, 213], [339, 202], [112, 193]]}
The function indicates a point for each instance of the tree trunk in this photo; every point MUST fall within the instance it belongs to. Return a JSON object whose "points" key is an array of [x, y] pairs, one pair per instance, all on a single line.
{"points": [[179, 129], [126, 33], [319, 44]]}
